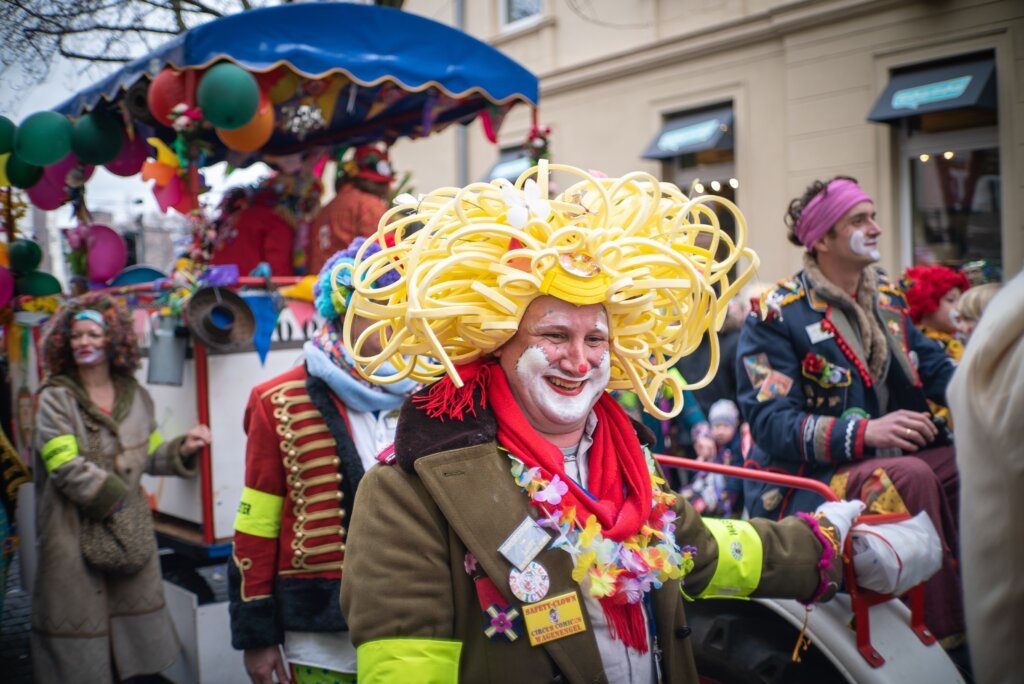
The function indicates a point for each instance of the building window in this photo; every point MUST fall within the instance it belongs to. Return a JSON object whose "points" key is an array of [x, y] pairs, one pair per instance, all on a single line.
{"points": [[511, 163], [948, 132], [519, 11], [696, 149]]}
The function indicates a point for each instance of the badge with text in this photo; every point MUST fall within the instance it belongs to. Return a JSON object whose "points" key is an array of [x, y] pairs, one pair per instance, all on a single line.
{"points": [[776, 384], [556, 618], [818, 334], [525, 542], [531, 584]]}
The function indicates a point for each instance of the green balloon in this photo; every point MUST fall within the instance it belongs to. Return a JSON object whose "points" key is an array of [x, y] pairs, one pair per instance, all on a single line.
{"points": [[37, 284], [7, 129], [25, 255], [228, 96], [96, 138], [43, 138], [20, 173]]}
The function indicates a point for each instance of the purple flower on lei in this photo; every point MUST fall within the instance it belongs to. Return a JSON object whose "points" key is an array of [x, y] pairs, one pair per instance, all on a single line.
{"points": [[553, 493]]}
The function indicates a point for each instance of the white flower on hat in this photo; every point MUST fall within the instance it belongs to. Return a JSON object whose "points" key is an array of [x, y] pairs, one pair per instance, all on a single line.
{"points": [[520, 206], [383, 168]]}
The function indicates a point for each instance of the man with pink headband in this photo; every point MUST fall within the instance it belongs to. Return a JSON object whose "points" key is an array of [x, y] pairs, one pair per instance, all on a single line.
{"points": [[834, 380]]}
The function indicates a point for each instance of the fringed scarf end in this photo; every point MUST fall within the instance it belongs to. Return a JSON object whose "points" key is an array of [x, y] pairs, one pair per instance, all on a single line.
{"points": [[446, 401]]}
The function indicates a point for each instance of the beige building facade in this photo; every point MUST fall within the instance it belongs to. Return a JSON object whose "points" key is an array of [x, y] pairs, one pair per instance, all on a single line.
{"points": [[755, 99]]}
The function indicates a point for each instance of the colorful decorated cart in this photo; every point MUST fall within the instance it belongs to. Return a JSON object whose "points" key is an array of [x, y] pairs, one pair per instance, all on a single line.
{"points": [[294, 86]]}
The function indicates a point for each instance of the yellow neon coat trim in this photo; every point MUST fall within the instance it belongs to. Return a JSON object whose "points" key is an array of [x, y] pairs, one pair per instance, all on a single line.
{"points": [[155, 440], [59, 451], [427, 661], [740, 555], [259, 513]]}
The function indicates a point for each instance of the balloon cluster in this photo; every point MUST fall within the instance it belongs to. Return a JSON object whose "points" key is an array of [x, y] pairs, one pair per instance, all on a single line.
{"points": [[22, 277], [50, 157], [97, 251], [228, 97]]}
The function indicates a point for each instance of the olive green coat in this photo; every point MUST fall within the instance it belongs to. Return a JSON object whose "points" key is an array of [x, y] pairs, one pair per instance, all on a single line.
{"points": [[83, 620], [404, 570]]}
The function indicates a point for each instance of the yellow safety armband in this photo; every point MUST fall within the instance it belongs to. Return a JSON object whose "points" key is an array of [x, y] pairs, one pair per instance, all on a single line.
{"points": [[408, 660], [59, 451], [740, 555], [259, 513], [155, 440]]}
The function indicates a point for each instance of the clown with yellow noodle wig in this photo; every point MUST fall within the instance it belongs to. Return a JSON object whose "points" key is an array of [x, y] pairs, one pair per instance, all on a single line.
{"points": [[519, 505], [640, 247]]}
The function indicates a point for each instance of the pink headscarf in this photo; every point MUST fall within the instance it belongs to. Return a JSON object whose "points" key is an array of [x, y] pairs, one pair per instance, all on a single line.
{"points": [[827, 207]]}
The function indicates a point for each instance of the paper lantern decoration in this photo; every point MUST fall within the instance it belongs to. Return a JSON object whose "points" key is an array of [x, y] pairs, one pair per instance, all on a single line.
{"points": [[166, 92], [20, 173], [97, 138], [6, 286], [228, 96], [107, 252], [46, 195], [133, 154], [25, 255], [253, 135], [43, 138], [7, 130], [37, 284]]}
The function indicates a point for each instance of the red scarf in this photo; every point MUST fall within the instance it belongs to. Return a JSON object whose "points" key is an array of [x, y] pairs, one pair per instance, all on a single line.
{"points": [[617, 470]]}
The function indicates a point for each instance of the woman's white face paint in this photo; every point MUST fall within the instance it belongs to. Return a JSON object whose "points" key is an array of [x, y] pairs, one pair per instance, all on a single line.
{"points": [[87, 356], [578, 394], [858, 245]]}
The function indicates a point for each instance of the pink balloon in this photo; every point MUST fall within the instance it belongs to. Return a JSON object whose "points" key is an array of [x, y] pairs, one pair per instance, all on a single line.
{"points": [[107, 252], [6, 286], [57, 173], [46, 195], [133, 154]]}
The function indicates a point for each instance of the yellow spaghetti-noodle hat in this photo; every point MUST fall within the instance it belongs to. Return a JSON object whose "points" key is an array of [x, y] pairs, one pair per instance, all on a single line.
{"points": [[470, 260]]}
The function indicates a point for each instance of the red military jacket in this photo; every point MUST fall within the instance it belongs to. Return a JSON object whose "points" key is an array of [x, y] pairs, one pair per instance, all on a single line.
{"points": [[301, 471]]}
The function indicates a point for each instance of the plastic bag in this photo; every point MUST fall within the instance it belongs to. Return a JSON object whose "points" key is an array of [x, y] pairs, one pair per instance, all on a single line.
{"points": [[893, 557]]}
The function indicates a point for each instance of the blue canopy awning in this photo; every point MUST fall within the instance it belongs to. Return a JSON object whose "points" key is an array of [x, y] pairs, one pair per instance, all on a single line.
{"points": [[927, 89], [443, 75]]}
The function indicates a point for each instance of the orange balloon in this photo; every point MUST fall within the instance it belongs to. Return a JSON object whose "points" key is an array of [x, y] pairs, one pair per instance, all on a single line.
{"points": [[161, 173], [253, 135]]}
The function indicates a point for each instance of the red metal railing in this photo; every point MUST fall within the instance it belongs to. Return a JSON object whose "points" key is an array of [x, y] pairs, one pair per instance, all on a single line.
{"points": [[861, 600]]}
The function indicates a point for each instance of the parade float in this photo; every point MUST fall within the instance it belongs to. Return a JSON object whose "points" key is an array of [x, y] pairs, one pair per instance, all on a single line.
{"points": [[293, 86]]}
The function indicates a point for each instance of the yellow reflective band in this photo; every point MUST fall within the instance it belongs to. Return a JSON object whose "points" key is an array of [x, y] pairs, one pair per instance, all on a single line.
{"points": [[408, 660], [259, 513], [155, 440], [740, 555], [59, 451]]}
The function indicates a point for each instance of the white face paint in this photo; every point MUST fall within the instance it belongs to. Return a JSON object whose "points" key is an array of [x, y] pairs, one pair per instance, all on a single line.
{"points": [[859, 246], [88, 356], [572, 403]]}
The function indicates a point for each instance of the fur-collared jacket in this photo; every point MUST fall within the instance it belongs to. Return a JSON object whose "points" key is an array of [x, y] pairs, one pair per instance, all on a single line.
{"points": [[301, 474], [815, 365], [84, 621], [414, 610]]}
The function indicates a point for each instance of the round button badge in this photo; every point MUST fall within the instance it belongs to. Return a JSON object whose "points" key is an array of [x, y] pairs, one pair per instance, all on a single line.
{"points": [[529, 585]]}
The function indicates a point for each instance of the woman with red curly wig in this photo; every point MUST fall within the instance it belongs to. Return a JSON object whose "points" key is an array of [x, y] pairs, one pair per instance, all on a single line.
{"points": [[932, 293], [98, 605]]}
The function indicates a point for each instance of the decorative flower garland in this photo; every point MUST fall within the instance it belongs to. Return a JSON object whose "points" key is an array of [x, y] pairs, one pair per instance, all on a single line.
{"points": [[626, 570]]}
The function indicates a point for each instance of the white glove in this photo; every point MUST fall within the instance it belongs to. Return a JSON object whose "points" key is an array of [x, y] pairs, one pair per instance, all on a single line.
{"points": [[841, 514], [893, 557]]}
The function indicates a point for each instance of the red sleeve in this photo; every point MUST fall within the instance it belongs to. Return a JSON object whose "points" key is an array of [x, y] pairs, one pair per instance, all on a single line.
{"points": [[278, 237]]}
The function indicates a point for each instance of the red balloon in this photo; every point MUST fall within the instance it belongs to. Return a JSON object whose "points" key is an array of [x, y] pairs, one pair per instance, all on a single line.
{"points": [[57, 173], [107, 252], [166, 92], [6, 286], [133, 155], [47, 196]]}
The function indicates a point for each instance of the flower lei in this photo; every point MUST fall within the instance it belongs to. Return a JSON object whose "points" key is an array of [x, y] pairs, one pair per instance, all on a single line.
{"points": [[622, 571]]}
